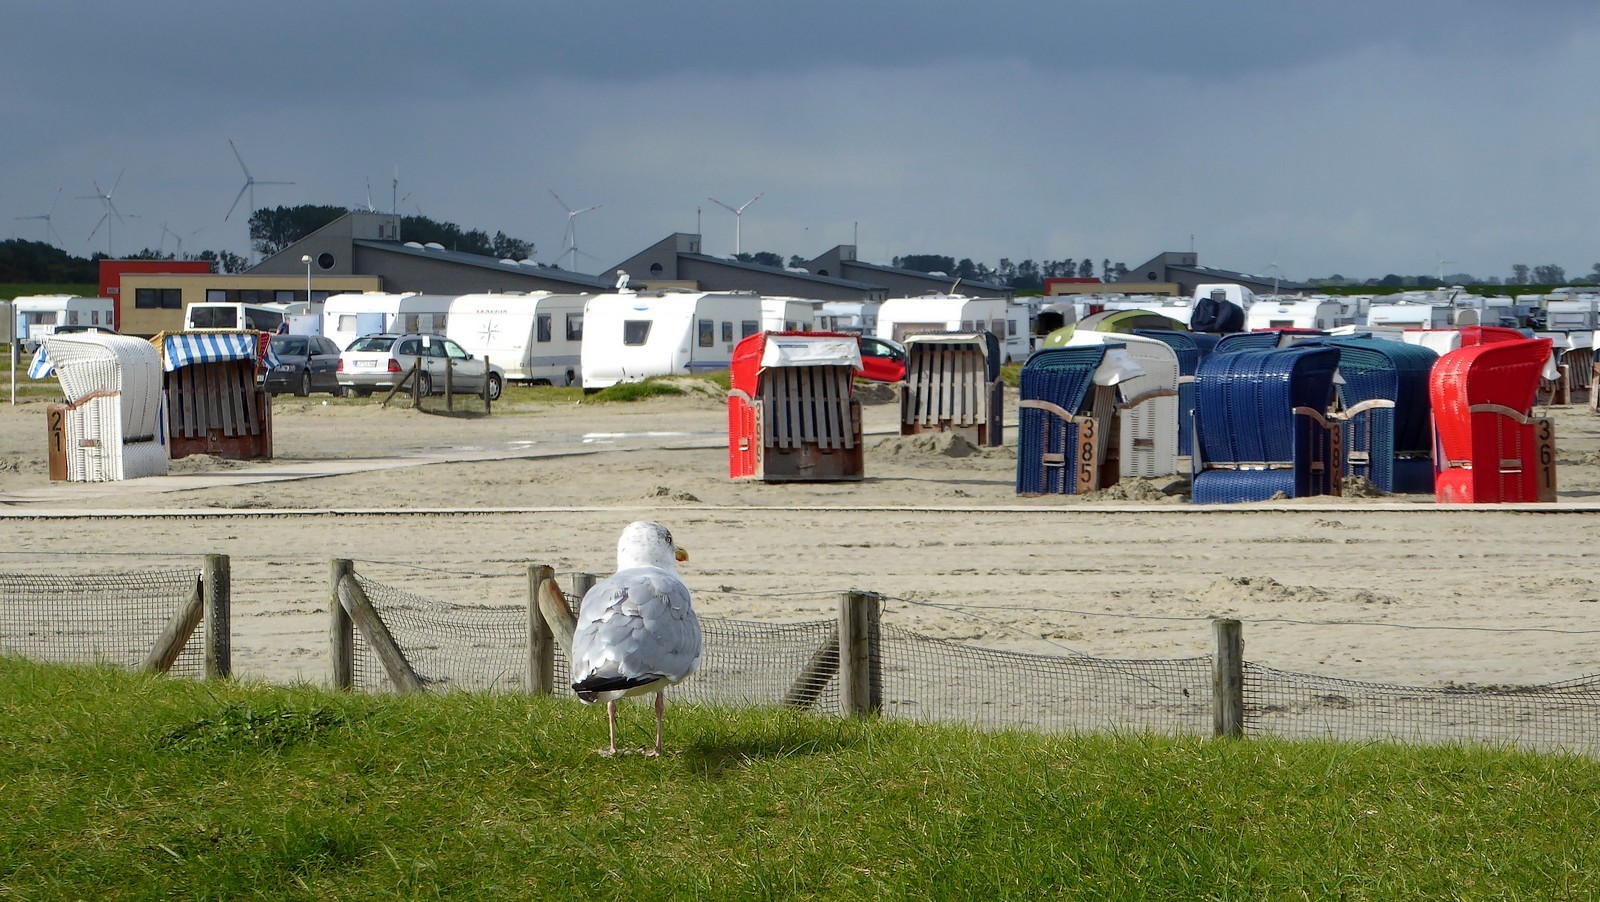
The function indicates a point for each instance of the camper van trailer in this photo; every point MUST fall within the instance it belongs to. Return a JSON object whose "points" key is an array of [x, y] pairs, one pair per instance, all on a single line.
{"points": [[38, 316], [787, 315], [860, 317], [203, 315], [1412, 316], [631, 336], [536, 337], [900, 317], [347, 317], [1297, 313]]}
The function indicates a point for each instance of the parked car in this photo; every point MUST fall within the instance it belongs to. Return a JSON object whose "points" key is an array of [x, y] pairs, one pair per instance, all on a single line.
{"points": [[378, 362], [306, 364], [882, 360]]}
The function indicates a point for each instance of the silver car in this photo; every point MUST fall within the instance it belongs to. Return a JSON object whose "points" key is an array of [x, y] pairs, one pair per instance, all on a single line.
{"points": [[378, 363]]}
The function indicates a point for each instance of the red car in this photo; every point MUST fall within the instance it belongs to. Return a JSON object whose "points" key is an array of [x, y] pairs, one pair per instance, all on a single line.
{"points": [[882, 360]]}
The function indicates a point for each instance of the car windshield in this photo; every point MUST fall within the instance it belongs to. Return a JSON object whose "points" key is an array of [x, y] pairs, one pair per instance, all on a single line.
{"points": [[373, 343], [295, 347]]}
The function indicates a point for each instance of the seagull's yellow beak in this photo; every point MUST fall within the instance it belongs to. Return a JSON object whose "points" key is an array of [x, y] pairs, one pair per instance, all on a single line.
{"points": [[680, 554]]}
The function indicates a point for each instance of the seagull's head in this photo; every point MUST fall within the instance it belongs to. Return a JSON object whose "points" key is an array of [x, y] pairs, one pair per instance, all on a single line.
{"points": [[646, 543]]}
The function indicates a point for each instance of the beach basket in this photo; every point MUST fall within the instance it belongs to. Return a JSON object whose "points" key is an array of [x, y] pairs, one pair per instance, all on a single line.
{"points": [[792, 411], [1489, 448], [111, 427]]}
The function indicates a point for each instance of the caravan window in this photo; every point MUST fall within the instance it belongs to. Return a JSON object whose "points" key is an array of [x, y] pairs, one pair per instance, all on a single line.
{"points": [[214, 317], [727, 331], [574, 327], [708, 332], [542, 323], [262, 320], [748, 328], [635, 332], [347, 322]]}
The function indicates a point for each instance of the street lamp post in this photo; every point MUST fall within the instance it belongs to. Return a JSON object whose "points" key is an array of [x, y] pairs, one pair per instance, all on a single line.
{"points": [[306, 259]]}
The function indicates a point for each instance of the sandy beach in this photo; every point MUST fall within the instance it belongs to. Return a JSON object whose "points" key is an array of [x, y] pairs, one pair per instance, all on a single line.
{"points": [[456, 509]]}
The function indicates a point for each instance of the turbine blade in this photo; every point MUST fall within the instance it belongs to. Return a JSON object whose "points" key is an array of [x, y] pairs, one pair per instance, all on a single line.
{"points": [[115, 183], [236, 199], [239, 158], [103, 217]]}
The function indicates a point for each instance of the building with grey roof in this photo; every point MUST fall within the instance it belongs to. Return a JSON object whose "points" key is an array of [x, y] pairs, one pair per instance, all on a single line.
{"points": [[677, 259], [1184, 270], [900, 283], [370, 244]]}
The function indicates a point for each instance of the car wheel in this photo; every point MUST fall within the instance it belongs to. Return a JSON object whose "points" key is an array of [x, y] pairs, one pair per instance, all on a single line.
{"points": [[495, 387], [304, 388], [423, 386]]}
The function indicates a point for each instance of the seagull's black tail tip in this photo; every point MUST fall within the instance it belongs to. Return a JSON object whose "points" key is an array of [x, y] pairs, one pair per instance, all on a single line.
{"points": [[588, 689]]}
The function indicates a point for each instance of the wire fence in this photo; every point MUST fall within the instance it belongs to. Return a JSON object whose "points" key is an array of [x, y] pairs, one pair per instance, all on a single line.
{"points": [[106, 618], [119, 617]]}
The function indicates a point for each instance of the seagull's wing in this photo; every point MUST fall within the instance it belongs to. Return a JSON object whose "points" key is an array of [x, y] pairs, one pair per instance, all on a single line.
{"points": [[635, 629]]}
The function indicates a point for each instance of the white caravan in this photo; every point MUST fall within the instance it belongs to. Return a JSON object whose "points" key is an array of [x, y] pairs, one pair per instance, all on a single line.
{"points": [[535, 337], [787, 315], [860, 317], [203, 315], [1414, 316], [630, 336], [40, 315], [1297, 313], [347, 317], [900, 317]]}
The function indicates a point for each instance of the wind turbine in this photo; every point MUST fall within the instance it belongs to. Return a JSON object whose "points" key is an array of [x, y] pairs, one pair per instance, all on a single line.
{"points": [[111, 210], [50, 233], [738, 217], [570, 240], [1277, 273], [250, 183], [178, 251], [1442, 264]]}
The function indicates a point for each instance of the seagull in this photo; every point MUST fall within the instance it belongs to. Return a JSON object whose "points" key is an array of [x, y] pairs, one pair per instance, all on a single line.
{"points": [[637, 632]]}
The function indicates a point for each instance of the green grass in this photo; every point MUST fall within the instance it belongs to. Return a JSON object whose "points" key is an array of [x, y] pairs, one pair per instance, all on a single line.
{"points": [[9, 290], [120, 786]]}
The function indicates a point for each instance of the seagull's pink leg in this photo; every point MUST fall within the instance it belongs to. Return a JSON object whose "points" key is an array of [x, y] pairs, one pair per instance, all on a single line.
{"points": [[611, 720], [661, 708]]}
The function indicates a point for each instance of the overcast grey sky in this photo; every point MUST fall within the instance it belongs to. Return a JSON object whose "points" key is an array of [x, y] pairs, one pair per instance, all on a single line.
{"points": [[1358, 138]]}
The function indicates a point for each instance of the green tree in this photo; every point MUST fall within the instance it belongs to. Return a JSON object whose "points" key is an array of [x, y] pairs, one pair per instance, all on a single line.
{"points": [[1549, 274], [761, 258], [224, 261], [446, 234], [1086, 269], [272, 230], [929, 263], [1519, 274], [508, 248], [36, 261]]}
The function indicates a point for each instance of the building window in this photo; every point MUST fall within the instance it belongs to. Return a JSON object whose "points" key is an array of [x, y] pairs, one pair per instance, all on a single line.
{"points": [[158, 298], [542, 322], [655, 269], [285, 297], [635, 332], [574, 327], [216, 295], [727, 331], [708, 332], [325, 261]]}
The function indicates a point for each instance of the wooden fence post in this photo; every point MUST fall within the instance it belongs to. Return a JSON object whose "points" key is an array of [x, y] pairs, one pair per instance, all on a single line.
{"points": [[341, 632], [176, 634], [378, 637], [541, 641], [860, 655], [581, 584], [487, 372], [1227, 680], [216, 592]]}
